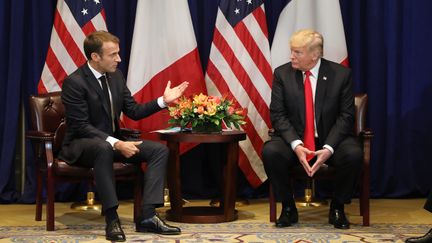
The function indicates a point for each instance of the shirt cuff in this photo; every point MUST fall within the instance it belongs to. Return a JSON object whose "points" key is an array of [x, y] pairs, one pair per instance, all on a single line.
{"points": [[161, 102], [112, 140], [329, 148], [295, 143]]}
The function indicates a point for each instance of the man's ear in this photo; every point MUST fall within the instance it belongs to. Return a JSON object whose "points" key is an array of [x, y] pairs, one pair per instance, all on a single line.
{"points": [[316, 56], [95, 56]]}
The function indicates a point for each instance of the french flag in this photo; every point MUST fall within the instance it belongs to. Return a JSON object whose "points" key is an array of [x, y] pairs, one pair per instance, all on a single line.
{"points": [[163, 48], [322, 15]]}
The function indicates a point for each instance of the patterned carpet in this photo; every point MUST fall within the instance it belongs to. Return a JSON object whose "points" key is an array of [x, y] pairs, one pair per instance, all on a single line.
{"points": [[224, 232]]}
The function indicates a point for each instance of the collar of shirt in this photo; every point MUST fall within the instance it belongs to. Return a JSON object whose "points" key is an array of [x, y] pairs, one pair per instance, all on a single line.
{"points": [[315, 70], [95, 73]]}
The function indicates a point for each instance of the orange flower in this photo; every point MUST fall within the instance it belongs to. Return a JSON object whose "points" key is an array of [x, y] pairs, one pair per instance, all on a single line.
{"points": [[241, 112], [214, 99], [200, 110], [230, 110], [200, 99]]}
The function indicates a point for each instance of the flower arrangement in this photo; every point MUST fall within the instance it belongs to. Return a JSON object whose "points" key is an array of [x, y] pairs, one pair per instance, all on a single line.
{"points": [[205, 113]]}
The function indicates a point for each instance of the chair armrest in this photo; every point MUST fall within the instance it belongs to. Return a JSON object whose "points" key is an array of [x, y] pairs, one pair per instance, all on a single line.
{"points": [[367, 133], [43, 148], [40, 136], [271, 132], [130, 133]]}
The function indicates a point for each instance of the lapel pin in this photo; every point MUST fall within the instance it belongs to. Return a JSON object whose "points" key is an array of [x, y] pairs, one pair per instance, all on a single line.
{"points": [[325, 78]]}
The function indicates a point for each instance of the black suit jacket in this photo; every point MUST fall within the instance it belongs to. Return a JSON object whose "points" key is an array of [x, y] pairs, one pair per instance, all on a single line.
{"points": [[334, 103], [87, 116]]}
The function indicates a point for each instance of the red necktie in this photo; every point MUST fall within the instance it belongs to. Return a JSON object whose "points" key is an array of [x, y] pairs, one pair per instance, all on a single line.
{"points": [[309, 132]]}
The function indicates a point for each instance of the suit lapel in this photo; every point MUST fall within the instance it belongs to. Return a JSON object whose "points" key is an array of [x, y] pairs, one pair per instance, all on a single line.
{"points": [[324, 78], [94, 84]]}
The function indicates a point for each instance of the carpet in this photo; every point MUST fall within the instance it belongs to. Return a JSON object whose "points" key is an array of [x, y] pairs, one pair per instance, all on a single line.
{"points": [[252, 232]]}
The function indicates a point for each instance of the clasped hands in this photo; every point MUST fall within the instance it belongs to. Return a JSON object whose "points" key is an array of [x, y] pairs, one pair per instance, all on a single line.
{"points": [[322, 156]]}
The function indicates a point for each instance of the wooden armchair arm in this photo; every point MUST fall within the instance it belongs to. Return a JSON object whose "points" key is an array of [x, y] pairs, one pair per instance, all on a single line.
{"points": [[40, 136], [43, 146], [367, 134], [271, 132]]}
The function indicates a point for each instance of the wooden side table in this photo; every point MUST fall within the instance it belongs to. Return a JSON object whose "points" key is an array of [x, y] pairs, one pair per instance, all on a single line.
{"points": [[204, 214]]}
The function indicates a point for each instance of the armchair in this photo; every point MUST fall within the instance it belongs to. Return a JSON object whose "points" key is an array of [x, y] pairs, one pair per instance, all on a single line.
{"points": [[48, 129]]}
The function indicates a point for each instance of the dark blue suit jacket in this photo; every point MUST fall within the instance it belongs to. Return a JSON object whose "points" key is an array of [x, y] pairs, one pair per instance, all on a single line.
{"points": [[87, 116]]}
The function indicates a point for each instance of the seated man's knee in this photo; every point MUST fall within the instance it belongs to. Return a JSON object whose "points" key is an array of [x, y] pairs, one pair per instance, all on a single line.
{"points": [[355, 157], [271, 151], [103, 147], [160, 150], [267, 152]]}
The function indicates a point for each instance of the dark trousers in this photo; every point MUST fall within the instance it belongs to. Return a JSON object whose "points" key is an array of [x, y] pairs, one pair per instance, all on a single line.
{"points": [[279, 158], [100, 155]]}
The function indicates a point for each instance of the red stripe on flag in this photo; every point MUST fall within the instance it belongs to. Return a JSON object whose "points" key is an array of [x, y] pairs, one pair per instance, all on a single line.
{"points": [[55, 67], [242, 76], [103, 14], [259, 15], [254, 51], [68, 41], [41, 88], [88, 28]]}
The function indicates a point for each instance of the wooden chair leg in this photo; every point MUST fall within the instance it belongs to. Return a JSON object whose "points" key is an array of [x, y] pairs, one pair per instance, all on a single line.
{"points": [[361, 189], [365, 198], [272, 205], [50, 204], [39, 186]]}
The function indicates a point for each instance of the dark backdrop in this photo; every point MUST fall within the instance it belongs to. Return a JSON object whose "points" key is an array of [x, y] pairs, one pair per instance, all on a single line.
{"points": [[389, 45]]}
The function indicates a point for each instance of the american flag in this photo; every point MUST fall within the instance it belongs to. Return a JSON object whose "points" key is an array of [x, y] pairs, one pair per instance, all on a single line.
{"points": [[73, 21], [239, 66]]}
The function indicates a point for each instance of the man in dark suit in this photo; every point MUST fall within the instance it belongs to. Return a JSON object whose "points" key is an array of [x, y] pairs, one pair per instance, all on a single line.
{"points": [[427, 238], [94, 96], [312, 126]]}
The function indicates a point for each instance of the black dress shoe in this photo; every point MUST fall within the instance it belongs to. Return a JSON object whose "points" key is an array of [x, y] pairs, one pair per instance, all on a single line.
{"points": [[114, 232], [156, 225], [427, 238], [288, 216], [338, 219]]}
